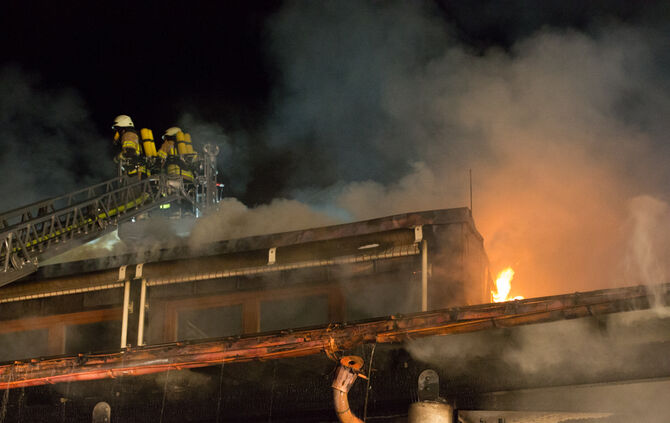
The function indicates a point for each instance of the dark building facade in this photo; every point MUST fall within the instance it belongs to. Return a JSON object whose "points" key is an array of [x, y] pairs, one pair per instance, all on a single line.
{"points": [[394, 265], [252, 330]]}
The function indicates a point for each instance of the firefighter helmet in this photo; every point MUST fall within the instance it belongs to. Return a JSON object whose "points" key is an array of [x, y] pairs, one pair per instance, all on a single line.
{"points": [[123, 121], [171, 132]]}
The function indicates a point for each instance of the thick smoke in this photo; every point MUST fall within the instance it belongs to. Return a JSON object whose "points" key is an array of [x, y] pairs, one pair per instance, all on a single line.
{"points": [[561, 132], [49, 146], [384, 111], [233, 160], [649, 244], [235, 220], [565, 353]]}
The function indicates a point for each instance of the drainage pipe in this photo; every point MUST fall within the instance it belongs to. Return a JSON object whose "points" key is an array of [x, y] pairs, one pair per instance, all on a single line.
{"points": [[424, 275], [124, 320], [140, 324], [344, 379]]}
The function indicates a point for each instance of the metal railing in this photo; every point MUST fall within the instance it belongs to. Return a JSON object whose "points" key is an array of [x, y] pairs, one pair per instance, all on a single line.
{"points": [[47, 228]]}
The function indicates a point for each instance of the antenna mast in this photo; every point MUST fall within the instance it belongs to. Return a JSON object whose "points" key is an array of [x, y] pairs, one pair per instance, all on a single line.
{"points": [[470, 191]]}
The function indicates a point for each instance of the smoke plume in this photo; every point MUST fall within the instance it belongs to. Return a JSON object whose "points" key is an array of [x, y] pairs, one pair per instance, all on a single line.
{"points": [[382, 108], [561, 131], [235, 220], [650, 243], [233, 160], [49, 146], [565, 356]]}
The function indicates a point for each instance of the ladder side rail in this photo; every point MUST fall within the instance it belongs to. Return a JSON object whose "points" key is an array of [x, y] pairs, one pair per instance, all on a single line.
{"points": [[69, 217], [117, 201], [55, 228], [5, 252], [105, 207], [93, 191], [49, 224], [26, 215], [65, 246], [60, 227], [20, 263], [72, 227], [46, 227], [20, 249], [89, 192], [42, 232], [124, 198], [25, 235], [30, 232]]}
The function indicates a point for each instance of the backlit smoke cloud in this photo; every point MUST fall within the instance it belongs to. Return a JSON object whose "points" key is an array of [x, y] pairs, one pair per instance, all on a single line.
{"points": [[233, 159], [562, 131], [650, 243], [564, 354], [235, 220]]}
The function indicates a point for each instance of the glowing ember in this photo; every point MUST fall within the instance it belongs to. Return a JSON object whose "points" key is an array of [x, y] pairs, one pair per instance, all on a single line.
{"points": [[503, 287]]}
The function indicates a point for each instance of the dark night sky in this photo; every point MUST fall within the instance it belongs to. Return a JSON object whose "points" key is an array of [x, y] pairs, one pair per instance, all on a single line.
{"points": [[158, 60], [147, 59], [353, 109], [155, 59]]}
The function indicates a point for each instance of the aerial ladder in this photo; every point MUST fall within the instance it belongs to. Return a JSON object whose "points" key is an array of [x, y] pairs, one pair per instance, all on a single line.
{"points": [[31, 234]]}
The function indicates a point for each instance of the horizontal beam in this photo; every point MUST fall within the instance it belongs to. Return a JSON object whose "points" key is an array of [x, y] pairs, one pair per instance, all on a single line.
{"points": [[329, 339]]}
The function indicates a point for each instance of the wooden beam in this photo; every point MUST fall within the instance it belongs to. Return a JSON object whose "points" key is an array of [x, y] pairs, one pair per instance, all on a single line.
{"points": [[328, 339]]}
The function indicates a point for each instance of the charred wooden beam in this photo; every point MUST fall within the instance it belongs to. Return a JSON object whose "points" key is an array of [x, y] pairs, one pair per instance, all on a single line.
{"points": [[328, 339]]}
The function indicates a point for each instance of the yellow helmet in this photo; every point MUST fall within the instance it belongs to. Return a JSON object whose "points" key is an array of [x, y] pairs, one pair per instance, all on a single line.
{"points": [[171, 132], [122, 121]]}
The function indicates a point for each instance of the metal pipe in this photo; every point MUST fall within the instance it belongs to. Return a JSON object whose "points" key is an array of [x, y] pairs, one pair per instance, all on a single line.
{"points": [[140, 324], [424, 275], [345, 377], [124, 321], [399, 251], [62, 292]]}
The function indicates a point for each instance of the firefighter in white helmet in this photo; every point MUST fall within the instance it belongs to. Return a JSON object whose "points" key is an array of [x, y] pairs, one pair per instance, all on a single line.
{"points": [[168, 151], [130, 158]]}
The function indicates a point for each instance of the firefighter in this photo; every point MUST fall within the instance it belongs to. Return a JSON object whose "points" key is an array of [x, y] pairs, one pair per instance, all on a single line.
{"points": [[130, 158], [168, 152], [184, 162]]}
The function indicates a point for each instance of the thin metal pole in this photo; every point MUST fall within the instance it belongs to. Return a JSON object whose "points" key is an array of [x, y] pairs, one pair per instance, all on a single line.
{"points": [[124, 322], [424, 275], [367, 388], [140, 324], [470, 191]]}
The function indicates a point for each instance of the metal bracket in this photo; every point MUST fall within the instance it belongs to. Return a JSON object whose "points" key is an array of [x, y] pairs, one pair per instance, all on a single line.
{"points": [[418, 234], [138, 270], [429, 385], [101, 413], [122, 273], [272, 255]]}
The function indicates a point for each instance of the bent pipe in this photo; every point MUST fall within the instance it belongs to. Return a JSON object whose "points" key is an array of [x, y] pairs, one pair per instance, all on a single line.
{"points": [[345, 377]]}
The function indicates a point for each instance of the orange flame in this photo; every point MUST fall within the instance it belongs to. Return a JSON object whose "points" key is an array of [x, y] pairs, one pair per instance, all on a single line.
{"points": [[504, 286]]}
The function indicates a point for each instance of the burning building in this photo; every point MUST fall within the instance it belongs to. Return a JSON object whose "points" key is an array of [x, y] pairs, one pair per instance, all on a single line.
{"points": [[253, 329]]}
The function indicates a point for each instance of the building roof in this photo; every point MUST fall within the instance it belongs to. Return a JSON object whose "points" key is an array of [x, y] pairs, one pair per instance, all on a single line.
{"points": [[237, 255]]}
